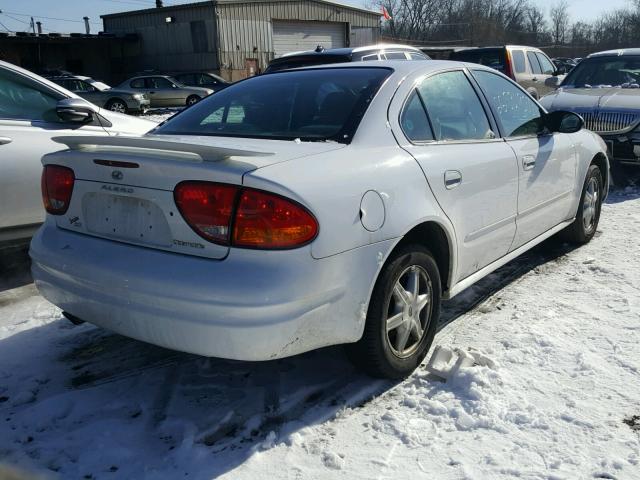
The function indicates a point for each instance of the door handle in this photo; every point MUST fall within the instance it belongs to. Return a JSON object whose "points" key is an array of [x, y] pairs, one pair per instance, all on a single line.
{"points": [[528, 162], [5, 140], [452, 178], [534, 79]]}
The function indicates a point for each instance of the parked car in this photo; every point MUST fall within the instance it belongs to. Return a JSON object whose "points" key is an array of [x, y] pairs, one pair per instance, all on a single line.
{"points": [[32, 111], [563, 65], [101, 94], [313, 207], [528, 66], [320, 56], [201, 79], [165, 91], [605, 90]]}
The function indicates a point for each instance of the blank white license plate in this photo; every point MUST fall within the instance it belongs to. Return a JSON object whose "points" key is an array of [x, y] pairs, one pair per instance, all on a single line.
{"points": [[126, 218]]}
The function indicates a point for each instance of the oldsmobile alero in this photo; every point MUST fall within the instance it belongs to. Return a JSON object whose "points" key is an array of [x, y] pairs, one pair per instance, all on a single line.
{"points": [[313, 207]]}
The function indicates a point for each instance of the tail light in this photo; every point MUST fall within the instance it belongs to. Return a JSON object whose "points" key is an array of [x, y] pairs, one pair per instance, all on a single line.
{"points": [[244, 217], [57, 187], [207, 208], [264, 220], [509, 65]]}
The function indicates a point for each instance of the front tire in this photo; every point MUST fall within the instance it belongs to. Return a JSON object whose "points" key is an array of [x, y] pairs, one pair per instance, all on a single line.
{"points": [[402, 317], [584, 227]]}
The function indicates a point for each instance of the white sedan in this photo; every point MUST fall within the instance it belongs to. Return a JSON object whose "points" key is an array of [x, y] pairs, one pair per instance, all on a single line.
{"points": [[313, 207], [32, 111]]}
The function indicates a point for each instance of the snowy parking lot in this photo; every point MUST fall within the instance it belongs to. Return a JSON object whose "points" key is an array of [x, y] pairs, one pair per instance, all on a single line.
{"points": [[561, 325]]}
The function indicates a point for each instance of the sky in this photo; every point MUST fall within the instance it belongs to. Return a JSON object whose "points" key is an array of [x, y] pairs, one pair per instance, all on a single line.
{"points": [[65, 16]]}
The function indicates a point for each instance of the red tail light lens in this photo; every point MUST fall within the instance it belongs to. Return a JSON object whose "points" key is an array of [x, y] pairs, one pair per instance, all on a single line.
{"points": [[259, 219], [268, 221], [57, 187], [207, 208]]}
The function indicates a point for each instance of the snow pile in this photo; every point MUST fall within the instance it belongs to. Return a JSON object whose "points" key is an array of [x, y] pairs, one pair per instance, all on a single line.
{"points": [[555, 395]]}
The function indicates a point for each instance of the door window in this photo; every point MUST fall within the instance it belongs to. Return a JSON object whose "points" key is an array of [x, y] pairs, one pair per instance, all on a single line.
{"points": [[545, 63], [517, 113], [533, 62], [137, 83], [518, 61], [454, 108], [158, 82], [414, 121], [206, 80], [23, 99], [370, 57]]}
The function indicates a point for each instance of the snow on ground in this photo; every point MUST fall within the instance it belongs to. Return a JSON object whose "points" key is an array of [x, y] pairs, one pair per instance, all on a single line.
{"points": [[561, 402]]}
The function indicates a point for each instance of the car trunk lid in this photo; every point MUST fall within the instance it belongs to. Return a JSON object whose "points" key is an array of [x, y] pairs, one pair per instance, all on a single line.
{"points": [[124, 186]]}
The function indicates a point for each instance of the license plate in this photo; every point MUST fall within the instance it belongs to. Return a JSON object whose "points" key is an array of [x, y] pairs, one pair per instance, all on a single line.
{"points": [[126, 218]]}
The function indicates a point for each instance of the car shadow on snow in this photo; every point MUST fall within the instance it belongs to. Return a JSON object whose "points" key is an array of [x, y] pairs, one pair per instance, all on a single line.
{"points": [[164, 404]]}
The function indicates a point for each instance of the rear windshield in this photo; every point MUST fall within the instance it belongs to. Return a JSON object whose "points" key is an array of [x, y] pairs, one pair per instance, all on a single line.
{"points": [[287, 63], [491, 57], [310, 105], [619, 71]]}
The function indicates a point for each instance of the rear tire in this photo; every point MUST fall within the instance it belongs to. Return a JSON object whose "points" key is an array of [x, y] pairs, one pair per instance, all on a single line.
{"points": [[192, 100], [585, 225], [402, 317]]}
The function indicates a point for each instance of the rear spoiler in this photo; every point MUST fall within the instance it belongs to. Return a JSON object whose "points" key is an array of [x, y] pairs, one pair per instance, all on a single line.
{"points": [[209, 153]]}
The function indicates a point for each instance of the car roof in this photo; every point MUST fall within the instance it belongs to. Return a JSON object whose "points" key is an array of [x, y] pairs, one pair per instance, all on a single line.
{"points": [[493, 47], [616, 53], [348, 50], [400, 67]]}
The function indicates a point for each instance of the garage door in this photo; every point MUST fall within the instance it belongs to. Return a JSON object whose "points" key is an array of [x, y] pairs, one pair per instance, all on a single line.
{"points": [[297, 36]]}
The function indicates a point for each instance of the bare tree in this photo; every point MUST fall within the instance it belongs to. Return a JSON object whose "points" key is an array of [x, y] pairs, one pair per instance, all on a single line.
{"points": [[560, 21]]}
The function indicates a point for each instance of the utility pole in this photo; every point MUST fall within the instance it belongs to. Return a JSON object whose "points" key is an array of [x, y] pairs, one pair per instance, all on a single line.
{"points": [[32, 26], [86, 25]]}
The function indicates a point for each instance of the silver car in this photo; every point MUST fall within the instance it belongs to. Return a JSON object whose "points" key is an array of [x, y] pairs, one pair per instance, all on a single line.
{"points": [[32, 111], [165, 91], [101, 94]]}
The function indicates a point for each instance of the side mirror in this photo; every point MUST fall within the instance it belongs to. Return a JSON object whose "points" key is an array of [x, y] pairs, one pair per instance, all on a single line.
{"points": [[75, 110], [564, 122], [553, 82]]}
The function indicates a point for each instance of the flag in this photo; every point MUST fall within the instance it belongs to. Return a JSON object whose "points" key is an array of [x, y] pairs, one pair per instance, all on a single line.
{"points": [[385, 13]]}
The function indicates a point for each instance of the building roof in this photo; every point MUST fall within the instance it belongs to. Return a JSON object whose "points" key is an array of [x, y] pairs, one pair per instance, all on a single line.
{"points": [[173, 8]]}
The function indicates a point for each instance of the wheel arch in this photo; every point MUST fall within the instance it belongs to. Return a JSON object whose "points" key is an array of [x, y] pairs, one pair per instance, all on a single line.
{"points": [[435, 237]]}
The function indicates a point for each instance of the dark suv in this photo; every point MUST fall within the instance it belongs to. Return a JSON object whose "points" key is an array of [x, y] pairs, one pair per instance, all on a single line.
{"points": [[320, 56]]}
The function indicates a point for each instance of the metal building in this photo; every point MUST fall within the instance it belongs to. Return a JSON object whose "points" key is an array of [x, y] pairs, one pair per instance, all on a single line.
{"points": [[238, 38]]}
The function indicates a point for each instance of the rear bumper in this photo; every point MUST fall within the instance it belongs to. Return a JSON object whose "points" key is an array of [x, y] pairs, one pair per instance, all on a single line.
{"points": [[134, 105], [254, 305]]}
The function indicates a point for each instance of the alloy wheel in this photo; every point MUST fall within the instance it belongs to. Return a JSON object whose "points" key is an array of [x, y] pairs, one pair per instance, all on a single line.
{"points": [[409, 311]]}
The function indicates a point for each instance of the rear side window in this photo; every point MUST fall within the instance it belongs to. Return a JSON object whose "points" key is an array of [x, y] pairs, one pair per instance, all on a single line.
{"points": [[370, 57], [491, 57], [414, 121], [417, 56], [310, 105], [519, 64], [547, 66], [454, 108], [394, 56], [533, 62]]}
